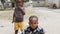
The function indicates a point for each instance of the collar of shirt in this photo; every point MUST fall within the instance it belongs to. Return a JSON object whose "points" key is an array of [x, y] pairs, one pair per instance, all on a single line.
{"points": [[33, 30]]}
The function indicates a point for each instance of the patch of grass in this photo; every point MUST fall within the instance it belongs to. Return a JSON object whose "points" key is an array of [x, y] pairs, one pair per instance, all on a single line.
{"points": [[2, 9], [7, 9]]}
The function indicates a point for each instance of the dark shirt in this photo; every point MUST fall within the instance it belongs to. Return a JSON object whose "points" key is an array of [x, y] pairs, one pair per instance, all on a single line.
{"points": [[18, 15], [33, 29], [37, 30]]}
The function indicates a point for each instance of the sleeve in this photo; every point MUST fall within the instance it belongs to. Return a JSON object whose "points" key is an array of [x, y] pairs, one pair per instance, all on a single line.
{"points": [[42, 31]]}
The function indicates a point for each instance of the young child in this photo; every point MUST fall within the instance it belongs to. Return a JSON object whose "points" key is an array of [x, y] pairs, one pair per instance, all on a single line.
{"points": [[33, 26], [18, 16]]}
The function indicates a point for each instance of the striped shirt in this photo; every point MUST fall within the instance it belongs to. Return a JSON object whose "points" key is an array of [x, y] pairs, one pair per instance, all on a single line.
{"points": [[36, 31]]}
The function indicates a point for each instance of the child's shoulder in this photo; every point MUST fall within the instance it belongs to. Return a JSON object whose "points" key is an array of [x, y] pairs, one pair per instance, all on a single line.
{"points": [[38, 28], [27, 29], [41, 29]]}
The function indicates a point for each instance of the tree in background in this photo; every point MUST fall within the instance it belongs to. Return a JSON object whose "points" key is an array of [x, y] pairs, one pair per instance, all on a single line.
{"points": [[13, 3], [3, 1]]}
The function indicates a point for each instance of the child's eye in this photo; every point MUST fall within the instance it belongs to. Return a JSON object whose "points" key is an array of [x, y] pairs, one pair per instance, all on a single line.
{"points": [[19, 2], [35, 23]]}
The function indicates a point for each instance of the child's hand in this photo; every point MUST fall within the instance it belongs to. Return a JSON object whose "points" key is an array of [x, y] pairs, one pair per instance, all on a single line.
{"points": [[23, 10]]}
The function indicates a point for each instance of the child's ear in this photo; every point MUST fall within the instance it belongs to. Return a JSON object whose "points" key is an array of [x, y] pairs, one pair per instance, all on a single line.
{"points": [[29, 23]]}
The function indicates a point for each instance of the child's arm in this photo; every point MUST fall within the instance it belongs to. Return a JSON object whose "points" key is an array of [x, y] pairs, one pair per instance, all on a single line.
{"points": [[13, 17], [22, 10], [42, 31]]}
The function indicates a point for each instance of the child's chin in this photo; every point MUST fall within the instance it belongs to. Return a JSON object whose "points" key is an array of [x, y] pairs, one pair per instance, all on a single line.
{"points": [[33, 28]]}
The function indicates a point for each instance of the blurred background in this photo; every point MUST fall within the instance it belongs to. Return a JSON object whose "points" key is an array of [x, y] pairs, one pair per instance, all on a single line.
{"points": [[35, 3], [48, 12]]}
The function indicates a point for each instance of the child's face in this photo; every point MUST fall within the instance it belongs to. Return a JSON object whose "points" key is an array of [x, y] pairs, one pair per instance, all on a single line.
{"points": [[19, 3], [33, 23]]}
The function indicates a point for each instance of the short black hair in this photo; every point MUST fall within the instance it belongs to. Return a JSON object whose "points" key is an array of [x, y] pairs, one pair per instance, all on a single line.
{"points": [[33, 17], [18, 0]]}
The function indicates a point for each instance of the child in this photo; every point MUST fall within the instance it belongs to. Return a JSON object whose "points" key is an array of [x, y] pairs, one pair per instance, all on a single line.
{"points": [[18, 16], [33, 26]]}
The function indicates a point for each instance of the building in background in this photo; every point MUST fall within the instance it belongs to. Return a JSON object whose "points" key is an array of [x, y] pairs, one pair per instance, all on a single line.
{"points": [[38, 2], [51, 2], [46, 3], [8, 3]]}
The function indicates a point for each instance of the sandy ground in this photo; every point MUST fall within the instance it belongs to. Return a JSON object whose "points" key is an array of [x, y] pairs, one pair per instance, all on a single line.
{"points": [[49, 19]]}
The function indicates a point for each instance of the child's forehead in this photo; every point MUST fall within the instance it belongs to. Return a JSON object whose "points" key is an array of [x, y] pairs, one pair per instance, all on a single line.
{"points": [[19, 0], [33, 19]]}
